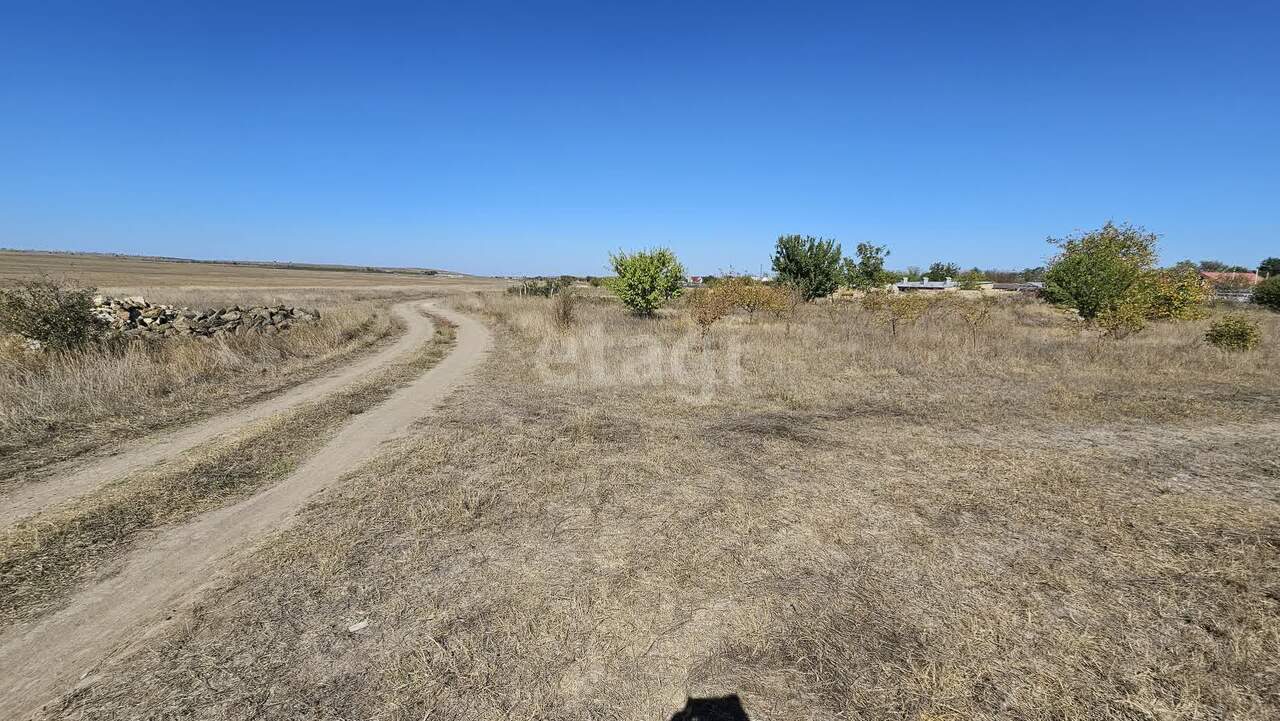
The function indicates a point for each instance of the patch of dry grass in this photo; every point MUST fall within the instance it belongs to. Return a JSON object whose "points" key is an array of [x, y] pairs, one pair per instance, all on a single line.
{"points": [[43, 557], [57, 406], [828, 521]]}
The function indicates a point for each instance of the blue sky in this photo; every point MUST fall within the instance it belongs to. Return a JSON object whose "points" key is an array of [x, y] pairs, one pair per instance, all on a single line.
{"points": [[536, 137]]}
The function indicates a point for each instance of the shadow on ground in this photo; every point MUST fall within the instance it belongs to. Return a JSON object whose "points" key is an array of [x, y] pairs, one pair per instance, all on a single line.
{"points": [[720, 708]]}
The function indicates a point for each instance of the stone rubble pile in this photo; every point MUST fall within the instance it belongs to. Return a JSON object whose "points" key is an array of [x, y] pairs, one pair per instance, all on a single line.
{"points": [[135, 317]]}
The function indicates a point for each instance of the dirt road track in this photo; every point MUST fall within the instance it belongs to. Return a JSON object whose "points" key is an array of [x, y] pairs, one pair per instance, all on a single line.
{"points": [[76, 477], [44, 659]]}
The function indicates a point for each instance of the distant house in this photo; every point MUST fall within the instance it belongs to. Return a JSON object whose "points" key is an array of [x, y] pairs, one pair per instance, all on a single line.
{"points": [[1231, 286], [926, 285], [695, 280], [1231, 280]]}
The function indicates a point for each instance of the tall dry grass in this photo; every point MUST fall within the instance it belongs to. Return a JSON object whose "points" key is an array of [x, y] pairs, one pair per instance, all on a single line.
{"points": [[55, 406]]}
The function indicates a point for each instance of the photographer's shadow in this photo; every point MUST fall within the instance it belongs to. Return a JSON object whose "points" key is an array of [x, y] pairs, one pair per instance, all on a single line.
{"points": [[720, 708]]}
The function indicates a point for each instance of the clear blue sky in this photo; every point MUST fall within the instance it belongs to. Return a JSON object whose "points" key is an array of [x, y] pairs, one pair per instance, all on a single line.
{"points": [[535, 137]]}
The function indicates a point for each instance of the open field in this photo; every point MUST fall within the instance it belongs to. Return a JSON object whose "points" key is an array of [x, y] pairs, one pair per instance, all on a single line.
{"points": [[55, 409], [826, 520], [105, 271]]}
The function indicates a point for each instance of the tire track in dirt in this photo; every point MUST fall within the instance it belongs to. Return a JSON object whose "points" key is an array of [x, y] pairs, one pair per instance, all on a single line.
{"points": [[52, 655], [74, 478]]}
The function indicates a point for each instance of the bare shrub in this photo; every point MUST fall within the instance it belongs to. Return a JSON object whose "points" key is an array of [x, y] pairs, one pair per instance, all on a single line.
{"points": [[975, 313], [897, 310], [564, 307]]}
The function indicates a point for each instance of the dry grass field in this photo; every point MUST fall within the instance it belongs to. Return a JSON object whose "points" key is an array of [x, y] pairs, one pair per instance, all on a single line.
{"points": [[52, 409], [831, 522]]}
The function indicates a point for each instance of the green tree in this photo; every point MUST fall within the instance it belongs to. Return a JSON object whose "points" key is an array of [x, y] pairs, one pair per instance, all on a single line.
{"points": [[1217, 266], [868, 271], [1267, 293], [810, 265], [1097, 272], [644, 280], [942, 271], [970, 279], [1269, 267]]}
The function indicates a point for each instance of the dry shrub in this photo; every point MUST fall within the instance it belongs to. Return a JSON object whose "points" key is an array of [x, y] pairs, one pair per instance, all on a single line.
{"points": [[708, 305], [975, 313], [563, 305], [898, 310]]}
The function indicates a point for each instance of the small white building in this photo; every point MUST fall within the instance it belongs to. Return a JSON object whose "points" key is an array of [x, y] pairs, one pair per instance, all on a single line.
{"points": [[912, 286]]}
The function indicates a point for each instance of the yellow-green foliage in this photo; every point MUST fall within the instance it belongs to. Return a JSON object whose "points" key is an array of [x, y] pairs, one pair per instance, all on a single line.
{"points": [[897, 310], [1178, 294], [1234, 333]]}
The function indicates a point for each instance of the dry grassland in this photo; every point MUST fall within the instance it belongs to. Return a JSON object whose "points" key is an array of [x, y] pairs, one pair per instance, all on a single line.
{"points": [[54, 408], [106, 271], [44, 557], [830, 522]]}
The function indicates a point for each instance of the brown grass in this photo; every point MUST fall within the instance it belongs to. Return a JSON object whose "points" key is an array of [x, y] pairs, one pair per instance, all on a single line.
{"points": [[130, 272], [53, 407], [44, 557], [827, 520]]}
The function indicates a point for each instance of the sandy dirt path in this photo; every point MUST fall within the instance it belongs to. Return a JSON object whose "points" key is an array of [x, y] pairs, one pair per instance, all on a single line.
{"points": [[77, 477], [42, 660]]}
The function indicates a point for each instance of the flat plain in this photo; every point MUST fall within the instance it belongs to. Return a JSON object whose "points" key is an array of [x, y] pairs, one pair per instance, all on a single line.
{"points": [[827, 519]]}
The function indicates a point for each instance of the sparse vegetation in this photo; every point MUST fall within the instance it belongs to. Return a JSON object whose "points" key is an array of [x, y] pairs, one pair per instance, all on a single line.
{"points": [[897, 310], [55, 406], [43, 557], [541, 287], [975, 313], [1097, 540], [564, 307], [1234, 332]]}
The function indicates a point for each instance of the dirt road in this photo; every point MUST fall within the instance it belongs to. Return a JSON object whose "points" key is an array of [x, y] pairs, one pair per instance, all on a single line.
{"points": [[50, 656], [77, 477]]}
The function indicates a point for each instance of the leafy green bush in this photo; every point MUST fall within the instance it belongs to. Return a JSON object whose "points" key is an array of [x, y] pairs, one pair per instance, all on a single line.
{"points": [[1267, 293], [1097, 272], [58, 318], [810, 265], [1234, 333], [644, 280]]}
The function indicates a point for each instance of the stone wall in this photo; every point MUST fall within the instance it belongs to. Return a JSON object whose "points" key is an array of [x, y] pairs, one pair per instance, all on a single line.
{"points": [[135, 317]]}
